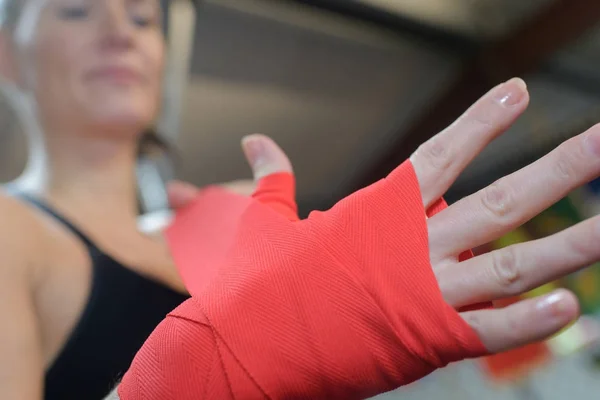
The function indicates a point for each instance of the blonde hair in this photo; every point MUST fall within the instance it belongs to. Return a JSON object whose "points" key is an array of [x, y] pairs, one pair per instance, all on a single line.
{"points": [[9, 12]]}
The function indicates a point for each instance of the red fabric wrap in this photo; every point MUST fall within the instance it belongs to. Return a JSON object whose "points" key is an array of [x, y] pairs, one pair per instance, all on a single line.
{"points": [[341, 305]]}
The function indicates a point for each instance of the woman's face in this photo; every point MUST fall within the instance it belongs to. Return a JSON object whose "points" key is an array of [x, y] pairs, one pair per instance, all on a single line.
{"points": [[92, 64]]}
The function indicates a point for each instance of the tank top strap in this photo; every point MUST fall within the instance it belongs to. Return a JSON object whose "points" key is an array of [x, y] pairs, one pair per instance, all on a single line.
{"points": [[43, 206]]}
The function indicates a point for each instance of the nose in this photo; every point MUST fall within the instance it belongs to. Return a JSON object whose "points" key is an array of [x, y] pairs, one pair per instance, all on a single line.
{"points": [[115, 26]]}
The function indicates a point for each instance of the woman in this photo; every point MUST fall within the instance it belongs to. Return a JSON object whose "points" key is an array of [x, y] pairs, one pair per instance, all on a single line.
{"points": [[87, 76], [88, 72]]}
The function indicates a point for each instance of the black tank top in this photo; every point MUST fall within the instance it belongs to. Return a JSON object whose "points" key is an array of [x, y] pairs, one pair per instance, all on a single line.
{"points": [[122, 310]]}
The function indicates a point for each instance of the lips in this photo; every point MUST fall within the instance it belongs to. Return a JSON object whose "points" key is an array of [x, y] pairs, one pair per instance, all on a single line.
{"points": [[116, 74]]}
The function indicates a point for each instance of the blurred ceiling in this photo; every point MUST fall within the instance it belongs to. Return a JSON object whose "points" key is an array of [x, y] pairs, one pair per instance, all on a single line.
{"points": [[350, 88], [326, 88], [478, 18]]}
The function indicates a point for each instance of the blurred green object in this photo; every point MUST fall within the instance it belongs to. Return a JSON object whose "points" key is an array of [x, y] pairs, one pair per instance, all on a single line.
{"points": [[518, 235], [586, 285], [560, 216]]}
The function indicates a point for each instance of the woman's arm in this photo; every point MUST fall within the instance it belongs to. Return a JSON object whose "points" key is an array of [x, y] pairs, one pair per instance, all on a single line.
{"points": [[21, 364]]}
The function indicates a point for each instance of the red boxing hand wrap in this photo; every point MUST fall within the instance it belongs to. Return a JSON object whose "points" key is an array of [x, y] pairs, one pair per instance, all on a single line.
{"points": [[341, 305], [278, 191]]}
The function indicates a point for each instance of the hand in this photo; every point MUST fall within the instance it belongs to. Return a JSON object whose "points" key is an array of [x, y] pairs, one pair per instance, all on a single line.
{"points": [[265, 158], [496, 210]]}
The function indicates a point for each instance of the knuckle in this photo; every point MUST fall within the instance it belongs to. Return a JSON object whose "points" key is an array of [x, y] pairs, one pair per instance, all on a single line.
{"points": [[437, 154], [496, 199], [514, 328], [505, 270], [473, 320], [482, 121], [585, 245]]}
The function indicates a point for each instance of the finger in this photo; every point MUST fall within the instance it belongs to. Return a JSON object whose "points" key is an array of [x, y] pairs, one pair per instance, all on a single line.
{"points": [[439, 161], [525, 322], [515, 199], [181, 193], [276, 186], [265, 156], [519, 268]]}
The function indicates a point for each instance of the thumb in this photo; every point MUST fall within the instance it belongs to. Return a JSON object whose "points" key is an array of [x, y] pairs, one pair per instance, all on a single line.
{"points": [[265, 156], [181, 193], [273, 173]]}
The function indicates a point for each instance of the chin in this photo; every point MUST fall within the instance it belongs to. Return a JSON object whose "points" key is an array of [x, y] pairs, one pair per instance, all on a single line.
{"points": [[121, 108], [123, 118]]}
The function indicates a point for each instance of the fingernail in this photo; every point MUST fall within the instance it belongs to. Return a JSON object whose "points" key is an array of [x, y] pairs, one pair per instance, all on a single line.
{"points": [[592, 140], [254, 149], [512, 92], [553, 304]]}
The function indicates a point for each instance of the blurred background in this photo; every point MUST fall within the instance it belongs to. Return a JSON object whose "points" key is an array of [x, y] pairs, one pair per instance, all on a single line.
{"points": [[349, 89]]}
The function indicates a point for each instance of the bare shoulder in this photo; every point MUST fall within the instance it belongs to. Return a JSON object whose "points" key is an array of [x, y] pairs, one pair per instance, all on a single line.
{"points": [[21, 254], [17, 221], [22, 235]]}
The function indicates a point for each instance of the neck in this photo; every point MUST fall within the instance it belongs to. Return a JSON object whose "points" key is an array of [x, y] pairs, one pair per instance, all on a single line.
{"points": [[89, 175]]}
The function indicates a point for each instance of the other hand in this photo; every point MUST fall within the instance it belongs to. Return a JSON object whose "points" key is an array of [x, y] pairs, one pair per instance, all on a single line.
{"points": [[264, 156]]}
